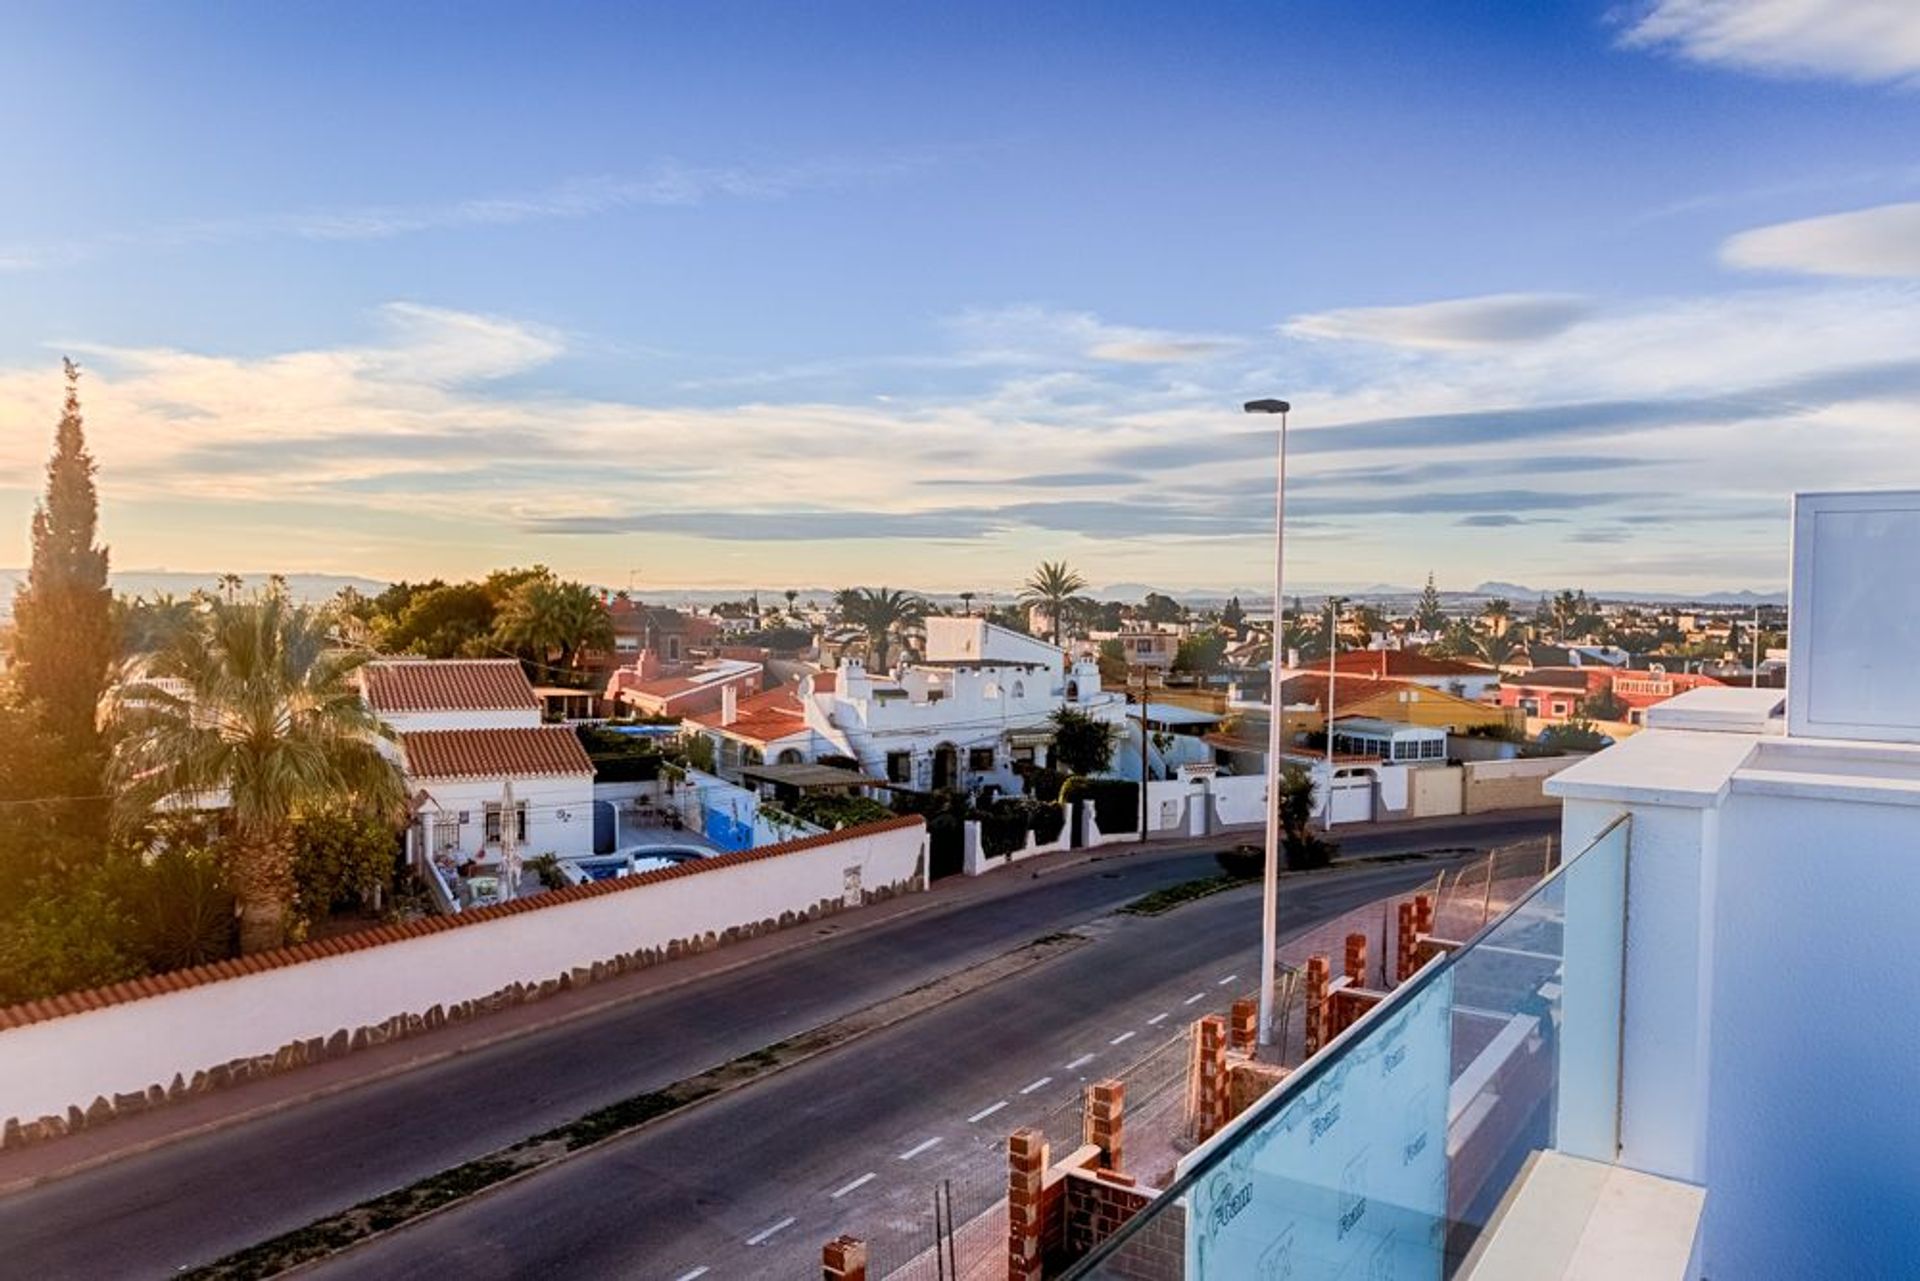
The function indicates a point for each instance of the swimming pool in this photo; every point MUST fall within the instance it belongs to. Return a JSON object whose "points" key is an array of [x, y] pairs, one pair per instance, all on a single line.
{"points": [[633, 861]]}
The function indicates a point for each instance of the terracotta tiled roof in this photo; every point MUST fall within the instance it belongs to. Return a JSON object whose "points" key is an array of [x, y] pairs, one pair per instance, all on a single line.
{"points": [[448, 685], [1311, 687], [765, 717], [1403, 663], [540, 752], [54, 1007]]}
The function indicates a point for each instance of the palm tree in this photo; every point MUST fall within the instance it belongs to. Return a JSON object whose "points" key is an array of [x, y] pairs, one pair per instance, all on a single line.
{"points": [[552, 622], [1498, 612], [966, 602], [1053, 585], [791, 596], [231, 585], [1492, 650], [879, 612], [256, 702]]}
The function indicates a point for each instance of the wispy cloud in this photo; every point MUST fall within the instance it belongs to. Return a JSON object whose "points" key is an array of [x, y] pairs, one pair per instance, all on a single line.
{"points": [[1026, 333], [1491, 320], [1880, 242], [1862, 40], [669, 184]]}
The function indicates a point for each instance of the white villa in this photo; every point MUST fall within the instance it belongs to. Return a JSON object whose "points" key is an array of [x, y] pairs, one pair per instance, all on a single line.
{"points": [[470, 732], [963, 715]]}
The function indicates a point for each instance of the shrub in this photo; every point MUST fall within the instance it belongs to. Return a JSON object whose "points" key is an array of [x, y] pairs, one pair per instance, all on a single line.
{"points": [[1305, 849], [831, 812], [1041, 782], [1242, 862], [1115, 801], [65, 932], [187, 910], [340, 861], [1081, 744], [547, 868]]}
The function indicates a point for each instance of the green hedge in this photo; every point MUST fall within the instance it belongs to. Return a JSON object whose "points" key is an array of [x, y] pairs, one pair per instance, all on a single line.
{"points": [[1116, 801]]}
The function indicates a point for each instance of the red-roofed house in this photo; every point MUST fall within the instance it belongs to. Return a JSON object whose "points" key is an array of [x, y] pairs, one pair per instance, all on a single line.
{"points": [[765, 728], [656, 689], [1560, 693], [454, 693], [1451, 675], [469, 730]]}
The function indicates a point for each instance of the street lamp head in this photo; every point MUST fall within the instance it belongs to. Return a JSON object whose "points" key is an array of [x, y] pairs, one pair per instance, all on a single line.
{"points": [[1268, 407]]}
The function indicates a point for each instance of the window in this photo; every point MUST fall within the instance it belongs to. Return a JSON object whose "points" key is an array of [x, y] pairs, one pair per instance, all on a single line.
{"points": [[900, 767], [1559, 708], [673, 649], [980, 758], [493, 822], [1019, 689], [1144, 645]]}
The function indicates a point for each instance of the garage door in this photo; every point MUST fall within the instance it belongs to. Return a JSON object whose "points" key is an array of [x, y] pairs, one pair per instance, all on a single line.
{"points": [[1353, 799]]}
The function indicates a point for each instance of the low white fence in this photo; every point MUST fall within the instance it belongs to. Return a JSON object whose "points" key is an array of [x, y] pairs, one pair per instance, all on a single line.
{"points": [[83, 1057]]}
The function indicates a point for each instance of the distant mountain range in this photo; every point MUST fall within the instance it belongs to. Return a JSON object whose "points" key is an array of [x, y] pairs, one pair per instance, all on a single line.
{"points": [[319, 587]]}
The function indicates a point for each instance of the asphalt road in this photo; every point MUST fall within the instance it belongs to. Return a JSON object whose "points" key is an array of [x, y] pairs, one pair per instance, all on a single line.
{"points": [[691, 1191]]}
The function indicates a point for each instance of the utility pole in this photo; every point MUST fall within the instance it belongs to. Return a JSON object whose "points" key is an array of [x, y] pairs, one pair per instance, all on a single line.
{"points": [[1144, 772], [1333, 652]]}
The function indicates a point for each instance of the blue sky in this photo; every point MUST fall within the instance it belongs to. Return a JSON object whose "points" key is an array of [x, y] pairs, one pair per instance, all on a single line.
{"points": [[769, 294]]}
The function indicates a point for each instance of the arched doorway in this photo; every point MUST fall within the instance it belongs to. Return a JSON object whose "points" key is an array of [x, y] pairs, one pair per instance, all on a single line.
{"points": [[946, 766]]}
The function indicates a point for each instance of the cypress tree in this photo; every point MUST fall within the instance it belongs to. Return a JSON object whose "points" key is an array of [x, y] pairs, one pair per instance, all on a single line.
{"points": [[63, 619]]}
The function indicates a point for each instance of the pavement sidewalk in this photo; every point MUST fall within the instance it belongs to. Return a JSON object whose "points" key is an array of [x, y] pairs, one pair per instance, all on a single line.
{"points": [[203, 1114]]}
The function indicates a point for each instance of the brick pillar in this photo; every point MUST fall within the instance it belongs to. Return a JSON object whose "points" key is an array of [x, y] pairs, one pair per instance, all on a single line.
{"points": [[1423, 914], [1213, 1074], [1403, 959], [1026, 1170], [844, 1259], [1356, 960], [1244, 1030], [1106, 1108], [1319, 974]]}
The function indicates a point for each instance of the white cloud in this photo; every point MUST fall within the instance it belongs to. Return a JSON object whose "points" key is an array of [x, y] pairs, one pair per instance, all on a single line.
{"points": [[1031, 334], [404, 454], [1864, 40], [1489, 320], [1882, 241]]}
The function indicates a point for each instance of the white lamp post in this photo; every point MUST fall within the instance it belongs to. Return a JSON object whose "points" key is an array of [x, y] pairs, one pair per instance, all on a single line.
{"points": [[1270, 880]]}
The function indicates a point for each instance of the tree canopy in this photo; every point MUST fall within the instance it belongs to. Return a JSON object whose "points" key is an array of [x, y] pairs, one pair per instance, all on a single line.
{"points": [[63, 614]]}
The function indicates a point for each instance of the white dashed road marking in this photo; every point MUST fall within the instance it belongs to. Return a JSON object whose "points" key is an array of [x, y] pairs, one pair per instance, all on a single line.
{"points": [[984, 1113], [1157, 1019], [764, 1233], [1230, 978], [1123, 1037], [858, 1183], [1197, 996], [918, 1148], [1043, 1081], [1080, 1062], [689, 1276]]}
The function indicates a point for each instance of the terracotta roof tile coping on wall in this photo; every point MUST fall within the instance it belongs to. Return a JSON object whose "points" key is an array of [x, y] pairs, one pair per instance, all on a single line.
{"points": [[41, 1011]]}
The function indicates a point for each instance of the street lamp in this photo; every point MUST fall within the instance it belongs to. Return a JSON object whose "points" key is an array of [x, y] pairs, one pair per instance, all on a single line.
{"points": [[1270, 879]]}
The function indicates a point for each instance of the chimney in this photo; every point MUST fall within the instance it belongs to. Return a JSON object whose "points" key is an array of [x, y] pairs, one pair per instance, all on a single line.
{"points": [[729, 704]]}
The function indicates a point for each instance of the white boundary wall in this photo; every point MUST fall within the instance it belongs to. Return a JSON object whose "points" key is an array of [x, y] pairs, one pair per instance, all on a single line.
{"points": [[46, 1067]]}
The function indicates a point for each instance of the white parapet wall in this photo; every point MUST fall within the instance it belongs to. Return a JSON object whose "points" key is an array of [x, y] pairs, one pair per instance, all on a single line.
{"points": [[81, 1058]]}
